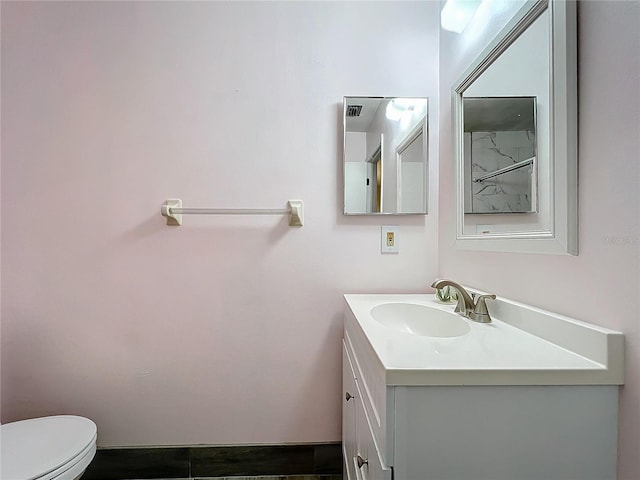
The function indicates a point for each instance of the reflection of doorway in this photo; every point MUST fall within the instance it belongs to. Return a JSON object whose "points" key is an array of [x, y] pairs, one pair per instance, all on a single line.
{"points": [[374, 180], [410, 156]]}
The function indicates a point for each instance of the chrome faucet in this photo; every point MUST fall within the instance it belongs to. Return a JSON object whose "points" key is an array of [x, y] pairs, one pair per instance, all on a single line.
{"points": [[468, 306]]}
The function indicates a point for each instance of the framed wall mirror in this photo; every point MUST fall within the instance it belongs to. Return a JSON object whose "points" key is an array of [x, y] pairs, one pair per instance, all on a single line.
{"points": [[385, 155], [515, 134]]}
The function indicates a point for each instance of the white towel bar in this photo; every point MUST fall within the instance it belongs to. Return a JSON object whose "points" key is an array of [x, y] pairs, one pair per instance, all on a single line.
{"points": [[172, 209]]}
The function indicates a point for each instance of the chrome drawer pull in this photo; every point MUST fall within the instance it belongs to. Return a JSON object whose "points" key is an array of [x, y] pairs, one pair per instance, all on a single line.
{"points": [[362, 461], [348, 396]]}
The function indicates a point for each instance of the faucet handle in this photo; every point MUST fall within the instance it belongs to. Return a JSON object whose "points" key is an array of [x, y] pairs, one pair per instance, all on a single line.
{"points": [[480, 311]]}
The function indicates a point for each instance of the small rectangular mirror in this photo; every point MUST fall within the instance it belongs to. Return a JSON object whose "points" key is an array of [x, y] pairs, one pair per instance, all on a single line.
{"points": [[499, 154], [385, 155]]}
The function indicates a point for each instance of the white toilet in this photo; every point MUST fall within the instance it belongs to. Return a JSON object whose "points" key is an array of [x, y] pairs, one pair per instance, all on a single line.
{"points": [[48, 448]]}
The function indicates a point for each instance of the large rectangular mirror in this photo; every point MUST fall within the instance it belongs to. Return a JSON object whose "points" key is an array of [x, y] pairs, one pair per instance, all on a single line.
{"points": [[385, 155], [515, 136]]}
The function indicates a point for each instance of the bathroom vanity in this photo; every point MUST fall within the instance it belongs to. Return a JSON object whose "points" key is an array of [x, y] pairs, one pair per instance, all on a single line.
{"points": [[530, 396]]}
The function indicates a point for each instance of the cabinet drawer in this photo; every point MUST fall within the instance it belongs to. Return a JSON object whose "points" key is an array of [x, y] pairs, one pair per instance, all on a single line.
{"points": [[368, 463]]}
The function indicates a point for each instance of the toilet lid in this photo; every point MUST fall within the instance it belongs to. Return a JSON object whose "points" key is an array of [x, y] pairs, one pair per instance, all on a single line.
{"points": [[32, 448]]}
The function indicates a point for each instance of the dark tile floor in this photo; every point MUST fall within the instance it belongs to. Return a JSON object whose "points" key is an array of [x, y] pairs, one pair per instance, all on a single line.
{"points": [[270, 477], [261, 462]]}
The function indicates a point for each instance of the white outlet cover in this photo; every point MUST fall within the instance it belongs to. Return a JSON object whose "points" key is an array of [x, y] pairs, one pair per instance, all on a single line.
{"points": [[384, 248]]}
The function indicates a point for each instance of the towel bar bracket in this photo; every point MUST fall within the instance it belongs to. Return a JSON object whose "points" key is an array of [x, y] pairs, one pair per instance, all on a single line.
{"points": [[296, 213], [174, 219]]}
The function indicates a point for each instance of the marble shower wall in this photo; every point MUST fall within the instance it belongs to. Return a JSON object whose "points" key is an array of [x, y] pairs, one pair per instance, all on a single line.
{"points": [[508, 192]]}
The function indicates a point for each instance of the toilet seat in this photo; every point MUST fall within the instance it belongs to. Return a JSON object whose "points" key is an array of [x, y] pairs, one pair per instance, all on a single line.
{"points": [[46, 448]]}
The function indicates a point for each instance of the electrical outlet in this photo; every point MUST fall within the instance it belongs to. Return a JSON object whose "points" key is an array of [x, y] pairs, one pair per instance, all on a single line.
{"points": [[389, 240]]}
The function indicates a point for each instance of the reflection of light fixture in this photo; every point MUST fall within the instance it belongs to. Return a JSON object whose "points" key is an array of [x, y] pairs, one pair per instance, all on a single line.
{"points": [[456, 14], [397, 107]]}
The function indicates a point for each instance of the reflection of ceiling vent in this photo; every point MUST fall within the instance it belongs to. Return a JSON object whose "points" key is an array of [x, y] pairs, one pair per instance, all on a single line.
{"points": [[354, 110]]}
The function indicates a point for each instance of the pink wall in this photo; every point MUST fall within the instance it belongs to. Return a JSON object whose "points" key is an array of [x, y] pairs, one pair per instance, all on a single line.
{"points": [[602, 284], [226, 330]]}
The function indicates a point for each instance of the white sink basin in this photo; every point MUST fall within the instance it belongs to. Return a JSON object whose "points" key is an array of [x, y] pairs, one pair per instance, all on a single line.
{"points": [[421, 320], [523, 345]]}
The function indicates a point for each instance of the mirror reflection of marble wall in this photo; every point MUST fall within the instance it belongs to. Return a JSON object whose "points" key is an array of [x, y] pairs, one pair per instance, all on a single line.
{"points": [[499, 155], [517, 82], [385, 155], [521, 71]]}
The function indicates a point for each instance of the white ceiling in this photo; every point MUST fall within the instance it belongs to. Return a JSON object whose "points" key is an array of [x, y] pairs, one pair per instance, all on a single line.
{"points": [[361, 123]]}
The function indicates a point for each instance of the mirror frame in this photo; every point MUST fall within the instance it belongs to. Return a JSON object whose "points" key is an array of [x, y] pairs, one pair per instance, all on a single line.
{"points": [[561, 236]]}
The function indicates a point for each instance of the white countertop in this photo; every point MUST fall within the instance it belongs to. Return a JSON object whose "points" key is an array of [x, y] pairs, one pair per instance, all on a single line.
{"points": [[568, 352]]}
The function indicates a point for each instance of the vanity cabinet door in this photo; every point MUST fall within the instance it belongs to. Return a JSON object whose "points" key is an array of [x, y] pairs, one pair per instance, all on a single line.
{"points": [[367, 462], [349, 405], [377, 397]]}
